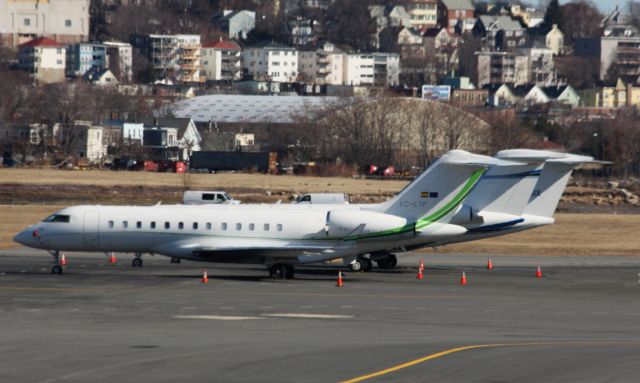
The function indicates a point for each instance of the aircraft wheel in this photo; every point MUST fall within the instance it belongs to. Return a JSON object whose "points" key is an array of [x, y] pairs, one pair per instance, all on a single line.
{"points": [[290, 272], [56, 269], [366, 265], [357, 265], [387, 263], [278, 271], [137, 262]]}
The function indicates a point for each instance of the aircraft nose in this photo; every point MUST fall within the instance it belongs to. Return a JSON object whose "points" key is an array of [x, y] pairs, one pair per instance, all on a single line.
{"points": [[24, 237]]}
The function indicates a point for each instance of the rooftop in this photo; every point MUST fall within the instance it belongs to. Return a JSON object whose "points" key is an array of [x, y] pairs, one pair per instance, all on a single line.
{"points": [[41, 42], [226, 108]]}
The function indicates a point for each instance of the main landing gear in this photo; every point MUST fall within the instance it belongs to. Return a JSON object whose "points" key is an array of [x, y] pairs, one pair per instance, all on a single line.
{"points": [[383, 260], [137, 261], [57, 267], [281, 271]]}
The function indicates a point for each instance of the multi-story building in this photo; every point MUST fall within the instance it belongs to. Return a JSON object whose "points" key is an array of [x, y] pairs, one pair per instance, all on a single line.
{"points": [[221, 61], [237, 24], [614, 96], [454, 14], [500, 33], [64, 21], [44, 59], [119, 59], [322, 66], [379, 69], [541, 66], [174, 57], [555, 40], [620, 45], [502, 68], [300, 31], [83, 57], [271, 61], [423, 13]]}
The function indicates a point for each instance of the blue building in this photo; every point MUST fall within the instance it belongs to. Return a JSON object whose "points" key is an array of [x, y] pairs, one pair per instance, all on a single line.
{"points": [[82, 57]]}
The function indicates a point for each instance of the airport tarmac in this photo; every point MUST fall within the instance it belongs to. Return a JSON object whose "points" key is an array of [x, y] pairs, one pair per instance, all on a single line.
{"points": [[100, 322]]}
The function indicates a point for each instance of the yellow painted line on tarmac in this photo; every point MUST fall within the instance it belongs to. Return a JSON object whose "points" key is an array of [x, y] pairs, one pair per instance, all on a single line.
{"points": [[465, 348], [421, 360]]}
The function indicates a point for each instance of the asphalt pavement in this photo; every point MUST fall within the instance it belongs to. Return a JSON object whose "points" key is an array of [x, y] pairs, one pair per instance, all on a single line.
{"points": [[99, 322]]}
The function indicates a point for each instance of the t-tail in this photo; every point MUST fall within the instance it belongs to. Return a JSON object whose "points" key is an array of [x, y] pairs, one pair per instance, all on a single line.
{"points": [[553, 179], [437, 193]]}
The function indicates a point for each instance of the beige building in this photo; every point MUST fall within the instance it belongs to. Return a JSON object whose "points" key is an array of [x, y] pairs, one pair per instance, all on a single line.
{"points": [[64, 21], [502, 68], [44, 59], [221, 61], [423, 13], [555, 40], [322, 66], [618, 96]]}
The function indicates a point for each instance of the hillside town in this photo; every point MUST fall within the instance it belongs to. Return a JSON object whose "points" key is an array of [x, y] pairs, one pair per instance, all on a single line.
{"points": [[123, 84]]}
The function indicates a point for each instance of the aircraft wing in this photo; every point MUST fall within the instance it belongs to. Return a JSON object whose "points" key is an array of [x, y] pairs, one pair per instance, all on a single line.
{"points": [[246, 249]]}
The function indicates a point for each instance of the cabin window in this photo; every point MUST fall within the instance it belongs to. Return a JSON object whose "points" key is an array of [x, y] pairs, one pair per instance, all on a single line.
{"points": [[224, 226], [139, 225], [266, 227], [110, 224], [125, 224], [238, 226], [167, 225], [252, 227], [279, 227], [208, 225], [153, 224], [195, 226], [208, 197], [180, 225]]}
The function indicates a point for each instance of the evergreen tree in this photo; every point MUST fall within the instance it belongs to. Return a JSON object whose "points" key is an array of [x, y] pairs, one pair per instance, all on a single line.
{"points": [[552, 16]]}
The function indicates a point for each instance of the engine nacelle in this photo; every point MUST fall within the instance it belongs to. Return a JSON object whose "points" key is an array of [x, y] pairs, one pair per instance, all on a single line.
{"points": [[341, 223]]}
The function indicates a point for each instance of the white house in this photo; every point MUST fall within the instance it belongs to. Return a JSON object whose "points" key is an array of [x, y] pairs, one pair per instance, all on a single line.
{"points": [[133, 133], [44, 59], [90, 144], [221, 61], [271, 61], [188, 137], [237, 24], [536, 96]]}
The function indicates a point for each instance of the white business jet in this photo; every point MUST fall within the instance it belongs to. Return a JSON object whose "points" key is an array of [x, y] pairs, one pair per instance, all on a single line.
{"points": [[278, 236]]}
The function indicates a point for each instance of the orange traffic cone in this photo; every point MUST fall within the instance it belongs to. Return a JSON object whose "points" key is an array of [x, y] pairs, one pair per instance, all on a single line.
{"points": [[420, 273], [339, 284], [63, 260], [205, 277], [463, 279], [112, 259], [539, 272], [489, 265]]}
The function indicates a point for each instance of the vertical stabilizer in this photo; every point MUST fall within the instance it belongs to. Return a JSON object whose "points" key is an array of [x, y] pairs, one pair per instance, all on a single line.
{"points": [[435, 195]]}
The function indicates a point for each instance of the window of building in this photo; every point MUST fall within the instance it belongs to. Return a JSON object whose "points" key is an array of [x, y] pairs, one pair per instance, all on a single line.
{"points": [[238, 226], [252, 227], [125, 224], [208, 225], [180, 225], [153, 225], [139, 225], [266, 227], [167, 225], [110, 224], [27, 22], [67, 23], [224, 226], [195, 226], [279, 227]]}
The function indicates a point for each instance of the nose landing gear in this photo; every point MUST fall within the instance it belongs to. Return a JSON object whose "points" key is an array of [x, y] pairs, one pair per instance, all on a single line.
{"points": [[57, 267], [137, 261]]}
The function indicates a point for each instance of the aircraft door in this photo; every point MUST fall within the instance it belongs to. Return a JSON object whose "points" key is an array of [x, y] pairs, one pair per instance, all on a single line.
{"points": [[90, 228]]}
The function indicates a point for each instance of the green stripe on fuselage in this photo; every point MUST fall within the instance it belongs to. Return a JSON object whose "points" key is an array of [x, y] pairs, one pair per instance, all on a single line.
{"points": [[424, 222]]}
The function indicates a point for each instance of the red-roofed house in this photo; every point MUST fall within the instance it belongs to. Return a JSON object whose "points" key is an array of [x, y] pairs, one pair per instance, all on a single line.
{"points": [[221, 61], [44, 59]]}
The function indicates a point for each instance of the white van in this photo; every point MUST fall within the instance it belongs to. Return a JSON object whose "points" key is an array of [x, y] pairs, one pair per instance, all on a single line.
{"points": [[324, 198], [198, 197]]}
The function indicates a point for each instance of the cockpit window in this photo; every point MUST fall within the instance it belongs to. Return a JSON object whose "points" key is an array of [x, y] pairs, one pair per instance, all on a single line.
{"points": [[57, 218]]}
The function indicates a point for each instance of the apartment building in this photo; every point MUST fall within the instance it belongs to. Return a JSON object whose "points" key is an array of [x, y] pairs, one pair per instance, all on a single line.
{"points": [[271, 61], [221, 61], [44, 59], [63, 21], [173, 57]]}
